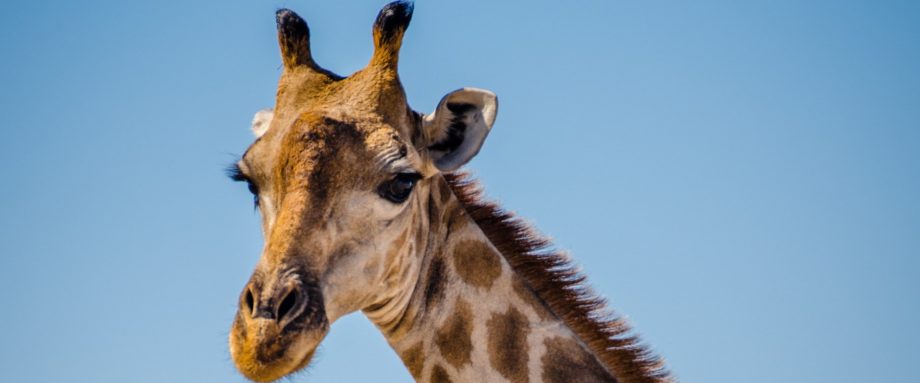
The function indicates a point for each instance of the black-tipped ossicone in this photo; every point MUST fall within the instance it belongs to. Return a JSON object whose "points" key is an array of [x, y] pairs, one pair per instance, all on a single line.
{"points": [[294, 38], [393, 19]]}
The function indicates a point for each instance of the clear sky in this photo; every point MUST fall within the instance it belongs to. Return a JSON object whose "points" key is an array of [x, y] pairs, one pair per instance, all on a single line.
{"points": [[742, 179]]}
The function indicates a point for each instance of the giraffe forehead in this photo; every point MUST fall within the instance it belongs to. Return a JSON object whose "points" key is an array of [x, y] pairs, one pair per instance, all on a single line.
{"points": [[360, 140], [366, 90], [312, 144], [329, 159]]}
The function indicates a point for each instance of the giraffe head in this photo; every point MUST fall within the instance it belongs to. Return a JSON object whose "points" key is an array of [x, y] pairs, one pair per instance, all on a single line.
{"points": [[339, 170]]}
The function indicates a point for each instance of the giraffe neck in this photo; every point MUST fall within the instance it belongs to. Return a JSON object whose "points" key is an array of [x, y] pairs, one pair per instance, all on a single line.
{"points": [[465, 315]]}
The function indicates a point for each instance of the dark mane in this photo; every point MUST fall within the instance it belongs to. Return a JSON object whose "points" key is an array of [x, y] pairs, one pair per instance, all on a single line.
{"points": [[554, 278]]}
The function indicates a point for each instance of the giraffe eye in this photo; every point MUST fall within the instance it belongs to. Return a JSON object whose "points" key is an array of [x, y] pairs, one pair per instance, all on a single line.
{"points": [[236, 174], [398, 189]]}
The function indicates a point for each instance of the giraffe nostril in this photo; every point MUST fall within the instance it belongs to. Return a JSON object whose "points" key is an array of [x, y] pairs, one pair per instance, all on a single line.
{"points": [[287, 304], [249, 302]]}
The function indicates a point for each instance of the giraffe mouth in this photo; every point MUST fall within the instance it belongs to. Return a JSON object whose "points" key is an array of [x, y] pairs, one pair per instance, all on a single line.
{"points": [[264, 352], [268, 344]]}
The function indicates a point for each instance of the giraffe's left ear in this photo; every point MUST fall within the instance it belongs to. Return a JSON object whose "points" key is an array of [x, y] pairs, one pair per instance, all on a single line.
{"points": [[459, 126], [261, 121]]}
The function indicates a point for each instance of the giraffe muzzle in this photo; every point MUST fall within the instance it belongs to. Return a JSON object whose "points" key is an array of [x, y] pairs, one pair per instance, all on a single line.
{"points": [[280, 322], [280, 306]]}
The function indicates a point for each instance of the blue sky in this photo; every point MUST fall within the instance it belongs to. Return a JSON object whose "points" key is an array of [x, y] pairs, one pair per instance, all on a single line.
{"points": [[739, 178]]}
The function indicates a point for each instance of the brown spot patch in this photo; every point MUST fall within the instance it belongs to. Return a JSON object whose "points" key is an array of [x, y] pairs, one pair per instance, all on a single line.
{"points": [[507, 346], [531, 299], [437, 280], [567, 361], [439, 375], [476, 263], [559, 283], [434, 213], [444, 191], [454, 338], [413, 360]]}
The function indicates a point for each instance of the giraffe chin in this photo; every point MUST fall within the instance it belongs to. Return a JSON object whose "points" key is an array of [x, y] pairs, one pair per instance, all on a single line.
{"points": [[264, 353]]}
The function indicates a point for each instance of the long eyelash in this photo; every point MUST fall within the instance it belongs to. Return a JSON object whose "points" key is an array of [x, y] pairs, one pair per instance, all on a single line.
{"points": [[233, 171]]}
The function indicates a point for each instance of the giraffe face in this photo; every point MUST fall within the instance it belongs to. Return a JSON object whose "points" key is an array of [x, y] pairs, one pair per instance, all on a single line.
{"points": [[340, 171], [337, 199]]}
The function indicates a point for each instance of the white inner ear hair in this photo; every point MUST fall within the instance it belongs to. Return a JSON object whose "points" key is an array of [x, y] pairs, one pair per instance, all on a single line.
{"points": [[261, 121]]}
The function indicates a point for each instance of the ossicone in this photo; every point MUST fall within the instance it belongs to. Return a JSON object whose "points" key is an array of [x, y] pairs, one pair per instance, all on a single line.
{"points": [[294, 39], [389, 29]]}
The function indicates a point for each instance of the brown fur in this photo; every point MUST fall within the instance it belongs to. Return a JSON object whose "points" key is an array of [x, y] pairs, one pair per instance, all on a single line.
{"points": [[565, 361], [476, 263], [508, 344], [452, 215], [414, 360], [454, 338], [531, 299], [398, 244], [444, 191], [455, 218], [439, 375], [556, 281], [436, 281]]}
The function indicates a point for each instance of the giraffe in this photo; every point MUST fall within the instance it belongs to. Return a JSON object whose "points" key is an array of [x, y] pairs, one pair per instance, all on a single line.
{"points": [[362, 210]]}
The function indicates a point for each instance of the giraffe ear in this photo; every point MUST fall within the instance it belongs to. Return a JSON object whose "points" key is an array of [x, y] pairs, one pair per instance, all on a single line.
{"points": [[261, 121], [459, 126]]}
